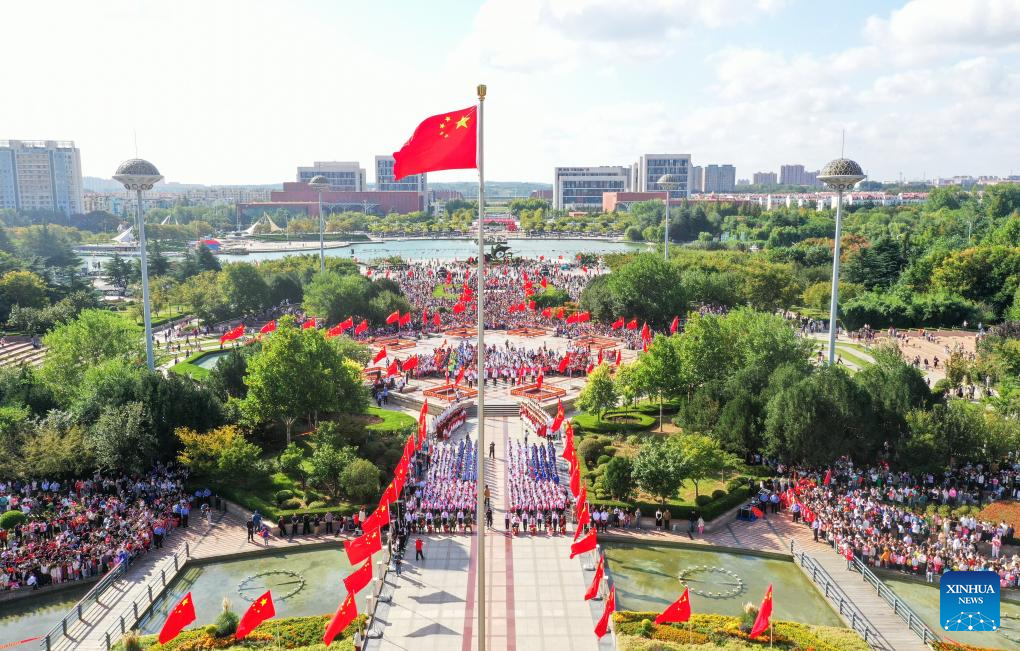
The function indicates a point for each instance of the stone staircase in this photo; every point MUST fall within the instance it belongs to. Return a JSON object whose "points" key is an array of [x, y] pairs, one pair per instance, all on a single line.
{"points": [[21, 352]]}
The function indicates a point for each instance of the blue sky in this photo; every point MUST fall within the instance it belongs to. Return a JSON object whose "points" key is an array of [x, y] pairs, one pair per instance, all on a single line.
{"points": [[243, 92]]}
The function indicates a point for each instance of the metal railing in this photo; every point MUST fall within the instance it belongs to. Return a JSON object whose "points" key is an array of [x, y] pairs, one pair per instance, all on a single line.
{"points": [[140, 606], [846, 606], [898, 605], [77, 611]]}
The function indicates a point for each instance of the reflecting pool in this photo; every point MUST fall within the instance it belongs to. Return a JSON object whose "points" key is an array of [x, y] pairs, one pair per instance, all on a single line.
{"points": [[923, 599], [306, 582], [647, 578], [36, 615], [210, 360]]}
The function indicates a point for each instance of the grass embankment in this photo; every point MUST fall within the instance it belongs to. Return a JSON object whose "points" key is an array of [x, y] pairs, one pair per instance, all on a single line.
{"points": [[635, 631]]}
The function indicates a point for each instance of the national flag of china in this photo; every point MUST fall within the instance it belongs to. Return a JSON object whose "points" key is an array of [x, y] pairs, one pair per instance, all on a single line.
{"points": [[619, 323], [603, 626], [547, 312], [358, 549], [575, 477], [459, 307], [593, 589], [558, 420], [828, 477], [541, 379], [678, 612], [381, 355], [585, 544], [674, 325], [619, 357], [394, 369], [356, 581], [405, 320], [564, 363], [646, 333], [632, 324], [335, 331], [393, 318], [346, 614], [182, 615], [435, 319], [409, 363], [380, 517], [309, 323], [232, 334], [448, 141], [460, 374], [764, 614], [363, 326], [269, 327], [259, 611], [583, 515]]}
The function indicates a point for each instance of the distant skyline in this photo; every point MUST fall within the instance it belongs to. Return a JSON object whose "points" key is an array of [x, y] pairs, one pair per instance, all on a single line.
{"points": [[243, 93]]}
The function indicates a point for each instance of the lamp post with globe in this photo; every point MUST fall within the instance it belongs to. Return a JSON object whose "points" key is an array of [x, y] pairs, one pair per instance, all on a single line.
{"points": [[320, 184], [138, 175], [670, 183], [840, 175]]}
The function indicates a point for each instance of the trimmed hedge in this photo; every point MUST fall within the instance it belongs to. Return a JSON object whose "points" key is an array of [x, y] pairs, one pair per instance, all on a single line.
{"points": [[709, 511], [588, 424], [636, 631], [11, 519]]}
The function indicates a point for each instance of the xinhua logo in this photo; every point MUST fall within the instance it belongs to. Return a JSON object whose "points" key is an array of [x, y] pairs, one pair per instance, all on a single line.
{"points": [[969, 601]]}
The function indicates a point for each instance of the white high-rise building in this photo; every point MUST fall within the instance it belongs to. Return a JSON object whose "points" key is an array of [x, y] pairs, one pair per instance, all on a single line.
{"points": [[696, 180], [651, 167], [384, 181], [720, 178], [41, 175], [342, 176], [581, 188]]}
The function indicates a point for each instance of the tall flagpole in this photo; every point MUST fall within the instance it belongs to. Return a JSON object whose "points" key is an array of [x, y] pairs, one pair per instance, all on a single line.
{"points": [[480, 479]]}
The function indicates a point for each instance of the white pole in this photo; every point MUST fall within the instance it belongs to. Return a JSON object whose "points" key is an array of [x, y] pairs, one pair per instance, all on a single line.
{"points": [[665, 239], [480, 479], [834, 302], [146, 314], [322, 229]]}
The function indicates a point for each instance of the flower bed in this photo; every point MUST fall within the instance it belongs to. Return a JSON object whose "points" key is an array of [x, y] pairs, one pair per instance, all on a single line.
{"points": [[298, 633], [635, 631]]}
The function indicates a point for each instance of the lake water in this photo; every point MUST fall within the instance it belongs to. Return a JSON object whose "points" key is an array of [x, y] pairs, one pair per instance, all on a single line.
{"points": [[647, 578], [441, 249], [210, 360]]}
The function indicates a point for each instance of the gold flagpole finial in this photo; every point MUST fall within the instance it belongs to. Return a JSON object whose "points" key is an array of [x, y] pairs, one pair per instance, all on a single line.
{"points": [[481, 92]]}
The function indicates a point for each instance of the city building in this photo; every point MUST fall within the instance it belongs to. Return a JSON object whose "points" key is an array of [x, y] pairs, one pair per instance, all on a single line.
{"points": [[765, 178], [300, 199], [720, 178], [581, 188], [697, 179], [342, 177], [41, 175], [541, 194], [384, 181], [797, 175], [622, 201], [651, 167]]}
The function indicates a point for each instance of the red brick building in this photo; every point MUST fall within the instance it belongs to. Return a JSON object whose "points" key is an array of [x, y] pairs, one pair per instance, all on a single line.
{"points": [[300, 199]]}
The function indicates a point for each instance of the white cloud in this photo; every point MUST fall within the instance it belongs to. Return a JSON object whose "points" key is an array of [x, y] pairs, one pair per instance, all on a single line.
{"points": [[941, 23]]}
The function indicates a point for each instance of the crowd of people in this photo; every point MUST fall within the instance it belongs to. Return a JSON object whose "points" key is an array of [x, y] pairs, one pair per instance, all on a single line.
{"points": [[445, 499], [880, 517], [537, 501], [82, 528]]}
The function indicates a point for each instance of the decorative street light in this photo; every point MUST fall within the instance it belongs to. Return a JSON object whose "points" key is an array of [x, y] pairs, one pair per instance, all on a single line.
{"points": [[840, 175], [137, 174], [320, 184], [670, 183]]}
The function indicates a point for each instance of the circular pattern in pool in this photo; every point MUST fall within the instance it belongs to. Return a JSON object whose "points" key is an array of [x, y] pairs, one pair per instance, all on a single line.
{"points": [[708, 583]]}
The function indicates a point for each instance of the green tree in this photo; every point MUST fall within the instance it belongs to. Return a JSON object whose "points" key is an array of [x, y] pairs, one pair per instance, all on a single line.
{"points": [[334, 296], [360, 481], [704, 459], [244, 289], [94, 337], [240, 462], [599, 393], [22, 288], [122, 439], [617, 479], [118, 273], [328, 465], [659, 468]]}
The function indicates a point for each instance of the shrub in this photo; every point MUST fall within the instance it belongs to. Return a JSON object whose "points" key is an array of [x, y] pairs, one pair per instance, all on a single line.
{"points": [[590, 449], [131, 641], [284, 495], [290, 460], [718, 493], [703, 500], [317, 504], [361, 480], [602, 460], [291, 503], [610, 450], [634, 439], [10, 519]]}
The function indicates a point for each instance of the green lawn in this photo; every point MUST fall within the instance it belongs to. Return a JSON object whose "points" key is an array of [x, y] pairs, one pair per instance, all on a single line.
{"points": [[188, 366], [445, 292]]}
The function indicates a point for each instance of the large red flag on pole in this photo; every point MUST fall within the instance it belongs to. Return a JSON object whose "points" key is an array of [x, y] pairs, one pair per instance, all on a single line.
{"points": [[764, 615], [674, 325], [593, 589], [603, 626], [381, 355], [678, 612], [363, 326], [358, 549], [448, 141], [585, 544], [259, 611], [269, 327], [345, 614], [356, 581], [182, 615]]}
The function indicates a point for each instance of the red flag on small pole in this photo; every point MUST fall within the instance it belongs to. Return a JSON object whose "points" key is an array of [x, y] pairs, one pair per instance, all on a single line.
{"points": [[259, 611], [678, 612], [381, 355], [346, 614], [356, 581], [268, 327], [593, 589], [182, 615], [603, 625], [674, 325], [358, 549], [764, 615], [308, 324], [362, 327], [585, 544]]}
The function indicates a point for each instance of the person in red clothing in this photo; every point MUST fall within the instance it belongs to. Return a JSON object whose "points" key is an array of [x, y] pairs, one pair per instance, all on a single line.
{"points": [[419, 549]]}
